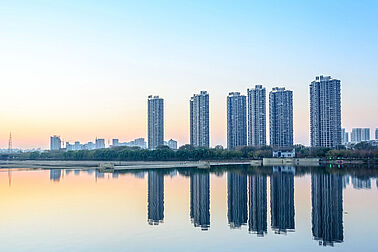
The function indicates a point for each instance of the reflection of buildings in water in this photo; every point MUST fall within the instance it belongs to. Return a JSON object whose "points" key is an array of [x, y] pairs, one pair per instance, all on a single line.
{"points": [[361, 183], [115, 175], [173, 173], [155, 197], [346, 179], [282, 199], [200, 200], [237, 199], [99, 174], [376, 182], [68, 171], [257, 222], [55, 174], [77, 172], [327, 208], [139, 175]]}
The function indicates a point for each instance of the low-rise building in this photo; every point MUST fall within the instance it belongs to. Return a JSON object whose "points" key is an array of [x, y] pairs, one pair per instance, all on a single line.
{"points": [[284, 153], [172, 144]]}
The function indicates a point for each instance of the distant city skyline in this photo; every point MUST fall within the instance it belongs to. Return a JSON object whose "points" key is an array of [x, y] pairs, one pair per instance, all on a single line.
{"points": [[75, 70]]}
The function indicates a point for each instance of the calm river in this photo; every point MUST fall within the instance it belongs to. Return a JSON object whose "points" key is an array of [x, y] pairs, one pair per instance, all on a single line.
{"points": [[227, 209]]}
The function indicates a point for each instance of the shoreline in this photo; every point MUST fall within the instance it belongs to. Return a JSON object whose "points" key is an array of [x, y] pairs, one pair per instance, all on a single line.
{"points": [[203, 164]]}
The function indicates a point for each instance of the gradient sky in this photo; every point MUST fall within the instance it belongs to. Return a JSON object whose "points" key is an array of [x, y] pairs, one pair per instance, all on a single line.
{"points": [[82, 69]]}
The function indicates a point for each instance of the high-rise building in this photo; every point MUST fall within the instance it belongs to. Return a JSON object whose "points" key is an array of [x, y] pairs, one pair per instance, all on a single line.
{"points": [[172, 144], [200, 200], [55, 143], [365, 134], [256, 116], [360, 135], [155, 122], [257, 222], [199, 120], [155, 197], [281, 117], [325, 112], [376, 135], [115, 142], [344, 136], [138, 142], [236, 120], [327, 208], [100, 143]]}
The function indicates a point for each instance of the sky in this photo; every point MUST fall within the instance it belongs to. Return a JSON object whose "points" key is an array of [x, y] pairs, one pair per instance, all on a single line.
{"points": [[84, 69]]}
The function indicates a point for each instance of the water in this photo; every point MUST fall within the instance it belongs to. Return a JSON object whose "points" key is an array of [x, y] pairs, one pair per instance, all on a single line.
{"points": [[230, 209]]}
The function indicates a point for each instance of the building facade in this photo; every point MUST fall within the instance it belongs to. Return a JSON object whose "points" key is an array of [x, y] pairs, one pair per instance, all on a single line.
{"points": [[155, 122], [281, 117], [55, 143], [236, 120], [138, 142], [325, 112], [376, 134], [256, 116], [360, 135], [100, 143], [172, 144], [344, 136], [199, 120]]}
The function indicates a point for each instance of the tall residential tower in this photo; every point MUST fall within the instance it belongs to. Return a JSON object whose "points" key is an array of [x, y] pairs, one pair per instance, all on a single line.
{"points": [[325, 112], [155, 122], [199, 120], [55, 143], [236, 120], [281, 117], [256, 116]]}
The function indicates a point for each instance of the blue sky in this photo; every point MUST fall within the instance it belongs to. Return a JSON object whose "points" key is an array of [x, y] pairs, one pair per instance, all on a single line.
{"points": [[83, 69]]}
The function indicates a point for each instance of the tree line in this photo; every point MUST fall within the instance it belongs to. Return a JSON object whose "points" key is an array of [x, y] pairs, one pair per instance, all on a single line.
{"points": [[190, 153]]}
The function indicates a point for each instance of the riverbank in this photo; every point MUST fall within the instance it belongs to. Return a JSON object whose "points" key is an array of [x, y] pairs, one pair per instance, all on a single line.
{"points": [[119, 165], [129, 165]]}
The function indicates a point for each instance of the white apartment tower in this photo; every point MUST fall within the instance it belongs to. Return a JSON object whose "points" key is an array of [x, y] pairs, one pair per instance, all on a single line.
{"points": [[325, 112], [55, 143], [199, 120], [155, 122], [236, 120], [256, 116], [281, 117]]}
